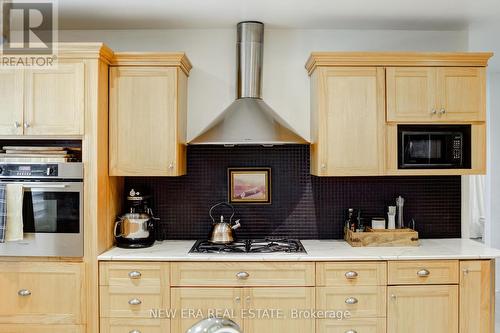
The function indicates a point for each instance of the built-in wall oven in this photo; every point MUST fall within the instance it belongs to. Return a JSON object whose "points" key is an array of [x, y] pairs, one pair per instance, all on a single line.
{"points": [[434, 146], [52, 208]]}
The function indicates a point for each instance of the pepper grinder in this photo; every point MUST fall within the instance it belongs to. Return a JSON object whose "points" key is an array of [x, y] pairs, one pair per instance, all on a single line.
{"points": [[400, 202]]}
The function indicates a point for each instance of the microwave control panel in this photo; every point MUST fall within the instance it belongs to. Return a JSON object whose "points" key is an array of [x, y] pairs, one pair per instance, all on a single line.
{"points": [[29, 170], [457, 147]]}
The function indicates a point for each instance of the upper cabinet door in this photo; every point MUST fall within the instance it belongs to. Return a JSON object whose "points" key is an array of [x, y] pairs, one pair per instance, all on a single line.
{"points": [[143, 133], [54, 100], [411, 94], [462, 93], [11, 100], [348, 121]]}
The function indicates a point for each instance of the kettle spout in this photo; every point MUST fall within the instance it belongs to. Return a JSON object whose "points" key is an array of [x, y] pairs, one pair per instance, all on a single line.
{"points": [[236, 225]]}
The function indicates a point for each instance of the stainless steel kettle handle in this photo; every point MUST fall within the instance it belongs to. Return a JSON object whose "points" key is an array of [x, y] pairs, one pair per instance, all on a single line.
{"points": [[222, 204]]}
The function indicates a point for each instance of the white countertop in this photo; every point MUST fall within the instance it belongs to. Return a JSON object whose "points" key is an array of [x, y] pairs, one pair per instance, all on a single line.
{"points": [[317, 250]]}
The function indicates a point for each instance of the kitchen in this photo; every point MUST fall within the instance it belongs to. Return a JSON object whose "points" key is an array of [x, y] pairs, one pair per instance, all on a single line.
{"points": [[128, 102]]}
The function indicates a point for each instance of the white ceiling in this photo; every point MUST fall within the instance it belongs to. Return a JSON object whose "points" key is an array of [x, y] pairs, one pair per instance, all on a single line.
{"points": [[300, 14]]}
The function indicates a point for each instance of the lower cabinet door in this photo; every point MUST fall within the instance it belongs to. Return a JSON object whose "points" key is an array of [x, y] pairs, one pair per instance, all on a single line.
{"points": [[274, 310], [122, 325], [368, 325], [359, 301], [190, 305], [417, 309]]}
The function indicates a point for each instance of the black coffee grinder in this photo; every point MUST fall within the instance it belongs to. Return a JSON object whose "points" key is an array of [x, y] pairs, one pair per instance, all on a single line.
{"points": [[136, 229]]}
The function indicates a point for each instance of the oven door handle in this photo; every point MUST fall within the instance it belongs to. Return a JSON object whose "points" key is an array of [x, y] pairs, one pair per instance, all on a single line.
{"points": [[45, 186]]}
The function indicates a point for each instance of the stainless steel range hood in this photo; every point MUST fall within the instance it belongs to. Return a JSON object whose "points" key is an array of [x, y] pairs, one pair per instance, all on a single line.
{"points": [[249, 120]]}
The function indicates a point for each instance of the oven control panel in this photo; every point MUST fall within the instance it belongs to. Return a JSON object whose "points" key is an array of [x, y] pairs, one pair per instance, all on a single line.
{"points": [[29, 170]]}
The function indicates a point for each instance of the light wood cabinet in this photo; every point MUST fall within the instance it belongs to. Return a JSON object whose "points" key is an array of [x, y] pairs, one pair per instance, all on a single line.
{"points": [[367, 325], [44, 102], [243, 274], [360, 301], [436, 94], [416, 309], [11, 100], [124, 325], [477, 299], [147, 121], [347, 121], [222, 302], [42, 293], [287, 300], [423, 272], [23, 328]]}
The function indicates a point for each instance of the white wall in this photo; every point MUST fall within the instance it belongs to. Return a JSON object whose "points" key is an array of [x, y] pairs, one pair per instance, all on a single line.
{"points": [[286, 84]]}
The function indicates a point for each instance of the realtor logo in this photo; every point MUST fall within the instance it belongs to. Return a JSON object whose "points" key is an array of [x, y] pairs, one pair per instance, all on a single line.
{"points": [[28, 28]]}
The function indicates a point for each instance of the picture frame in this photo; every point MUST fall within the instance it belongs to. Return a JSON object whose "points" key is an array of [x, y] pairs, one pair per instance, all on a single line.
{"points": [[249, 185]]}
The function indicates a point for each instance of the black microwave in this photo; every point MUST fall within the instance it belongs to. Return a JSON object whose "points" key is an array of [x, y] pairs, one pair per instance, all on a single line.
{"points": [[434, 146]]}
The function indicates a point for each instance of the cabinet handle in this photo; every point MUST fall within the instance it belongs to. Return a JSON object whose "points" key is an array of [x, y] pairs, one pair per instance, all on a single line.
{"points": [[351, 331], [442, 111], [242, 275], [17, 124], [134, 275], [248, 299], [237, 299], [134, 301], [423, 273], [323, 166], [351, 275], [393, 297], [171, 166], [351, 300], [26, 125], [434, 111], [466, 271], [135, 331], [24, 292]]}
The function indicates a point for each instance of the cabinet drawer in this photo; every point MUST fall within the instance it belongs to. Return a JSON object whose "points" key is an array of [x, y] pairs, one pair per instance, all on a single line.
{"points": [[134, 276], [360, 301], [351, 274], [243, 274], [48, 293], [123, 325], [423, 272], [366, 325], [134, 305], [23, 328]]}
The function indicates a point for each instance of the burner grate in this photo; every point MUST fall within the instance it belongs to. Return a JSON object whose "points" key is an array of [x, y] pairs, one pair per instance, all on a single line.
{"points": [[266, 245]]}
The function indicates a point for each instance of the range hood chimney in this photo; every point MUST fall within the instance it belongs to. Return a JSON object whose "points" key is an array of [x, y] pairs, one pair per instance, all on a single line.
{"points": [[249, 120]]}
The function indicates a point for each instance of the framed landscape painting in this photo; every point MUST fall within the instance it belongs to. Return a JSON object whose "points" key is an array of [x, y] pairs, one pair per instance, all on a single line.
{"points": [[249, 185]]}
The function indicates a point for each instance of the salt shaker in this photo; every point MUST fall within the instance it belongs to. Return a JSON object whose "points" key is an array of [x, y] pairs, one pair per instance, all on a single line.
{"points": [[391, 217]]}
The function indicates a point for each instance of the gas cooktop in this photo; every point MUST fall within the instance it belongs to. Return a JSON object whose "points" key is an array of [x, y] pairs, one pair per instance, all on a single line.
{"points": [[267, 245]]}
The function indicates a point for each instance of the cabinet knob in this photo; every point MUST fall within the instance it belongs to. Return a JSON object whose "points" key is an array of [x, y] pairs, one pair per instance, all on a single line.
{"points": [[393, 297], [351, 331], [351, 300], [17, 124], [433, 111], [134, 275], [237, 299], [242, 275], [135, 331], [171, 166], [134, 301], [323, 166], [24, 292], [442, 111], [423, 273], [466, 271], [26, 125], [351, 275], [248, 299]]}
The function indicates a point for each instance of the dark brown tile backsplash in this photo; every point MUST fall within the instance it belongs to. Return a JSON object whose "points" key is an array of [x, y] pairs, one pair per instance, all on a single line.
{"points": [[303, 206]]}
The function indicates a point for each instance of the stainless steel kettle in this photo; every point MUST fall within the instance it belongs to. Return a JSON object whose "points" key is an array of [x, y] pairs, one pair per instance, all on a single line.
{"points": [[222, 232]]}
